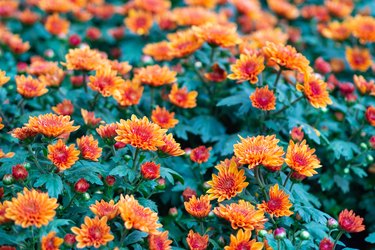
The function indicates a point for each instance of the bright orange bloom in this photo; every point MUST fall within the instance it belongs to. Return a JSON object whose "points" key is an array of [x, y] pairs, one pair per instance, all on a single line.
{"points": [[297, 134], [260, 150], [83, 59], [64, 108], [138, 217], [5, 155], [358, 59], [53, 79], [105, 81], [263, 99], [278, 204], [351, 223], [94, 232], [184, 43], [223, 35], [89, 118], [153, 6], [316, 92], [200, 154], [23, 133], [339, 8], [159, 241], [89, 148], [103, 208], [217, 75], [51, 125], [242, 215], [286, 57], [247, 68], [194, 15], [243, 241], [363, 85], [196, 241], [160, 51], [57, 25], [8, 8], [129, 93], [370, 115], [3, 78], [163, 118], [260, 37], [171, 147], [62, 156], [51, 242], [29, 87], [203, 3], [337, 31], [227, 183], [28, 17], [182, 98], [107, 131], [32, 208], [140, 133], [60, 6], [301, 159], [3, 208], [150, 170], [156, 76], [200, 207], [364, 28], [122, 68], [283, 8], [139, 22], [1, 125]]}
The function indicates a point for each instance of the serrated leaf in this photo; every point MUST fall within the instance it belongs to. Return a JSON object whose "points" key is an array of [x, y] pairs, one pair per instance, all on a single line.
{"points": [[371, 238], [52, 182], [208, 127], [342, 183], [148, 203], [135, 237], [84, 170], [344, 149], [359, 172]]}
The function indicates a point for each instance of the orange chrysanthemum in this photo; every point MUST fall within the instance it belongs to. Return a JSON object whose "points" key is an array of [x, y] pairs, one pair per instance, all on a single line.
{"points": [[153, 6], [40, 67], [1, 124], [57, 25], [278, 204], [107, 131], [3, 208], [160, 51], [51, 125], [247, 68], [363, 85], [339, 8], [171, 147], [159, 241], [62, 156], [260, 37], [23, 133], [139, 22], [351, 223], [316, 92], [286, 57], [140, 133], [184, 43], [200, 207], [163, 118], [370, 115], [194, 15], [6, 155], [105, 81], [3, 78], [200, 154], [203, 3], [83, 59], [283, 8], [156, 76], [89, 148], [337, 31], [64, 108], [364, 28], [129, 93], [263, 99], [243, 241], [182, 98], [28, 17], [217, 75], [53, 79], [103, 208], [29, 87], [242, 215], [89, 118], [32, 208], [358, 59], [301, 159], [197, 241], [138, 217], [94, 232], [260, 150], [122, 68], [51, 242], [227, 183], [218, 34]]}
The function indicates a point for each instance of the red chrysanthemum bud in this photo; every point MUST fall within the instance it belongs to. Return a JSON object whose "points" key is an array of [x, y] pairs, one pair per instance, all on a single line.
{"points": [[188, 193], [81, 185], [200, 154], [74, 40], [119, 145], [370, 115], [297, 134], [332, 223], [326, 244], [150, 170], [110, 180], [93, 33], [173, 212], [21, 67], [372, 141], [351, 98], [116, 52], [346, 88], [117, 33], [70, 240], [161, 184], [279, 233], [77, 81], [322, 66], [1, 192], [19, 172]]}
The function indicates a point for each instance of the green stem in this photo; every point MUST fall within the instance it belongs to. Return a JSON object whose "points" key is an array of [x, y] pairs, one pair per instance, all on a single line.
{"points": [[278, 245], [113, 150], [262, 187], [152, 96], [123, 236], [71, 201], [35, 159], [212, 55], [277, 79], [33, 237], [289, 105], [337, 239], [287, 178], [134, 166], [95, 100], [202, 227]]}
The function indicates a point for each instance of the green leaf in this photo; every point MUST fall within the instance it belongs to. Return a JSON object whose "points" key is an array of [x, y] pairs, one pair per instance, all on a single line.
{"points": [[148, 203], [208, 127], [52, 182], [344, 149], [171, 175], [371, 238], [135, 237], [86, 170], [342, 183], [359, 172]]}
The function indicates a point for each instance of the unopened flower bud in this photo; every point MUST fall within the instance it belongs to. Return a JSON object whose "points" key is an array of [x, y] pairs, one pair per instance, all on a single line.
{"points": [[279, 233]]}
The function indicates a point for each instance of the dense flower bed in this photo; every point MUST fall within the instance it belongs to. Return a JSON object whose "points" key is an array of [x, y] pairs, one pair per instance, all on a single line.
{"points": [[195, 124]]}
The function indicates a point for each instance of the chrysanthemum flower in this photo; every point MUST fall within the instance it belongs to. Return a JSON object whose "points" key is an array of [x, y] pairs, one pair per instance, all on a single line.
{"points": [[23, 133], [171, 147], [260, 37], [28, 17], [159, 241], [103, 208], [339, 8], [182, 98], [263, 99], [200, 207], [200, 154], [155, 75], [364, 28], [64, 108], [227, 183], [51, 242], [297, 134], [163, 118], [351, 223], [278, 204], [94, 232], [3, 78], [260, 150], [194, 15], [242, 215], [89, 148], [129, 93], [223, 35], [153, 6], [316, 92], [160, 51], [138, 217], [105, 81], [370, 115], [139, 22], [363, 85], [197, 241], [51, 125], [337, 31], [53, 79], [3, 219], [89, 118], [32, 208], [5, 155], [140, 133], [52, 6], [203, 3], [1, 124], [57, 25], [121, 68], [29, 87], [283, 8], [150, 170], [107, 131], [247, 68], [217, 75], [83, 59], [358, 59], [243, 241], [184, 43], [301, 159], [326, 244], [62, 156]]}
